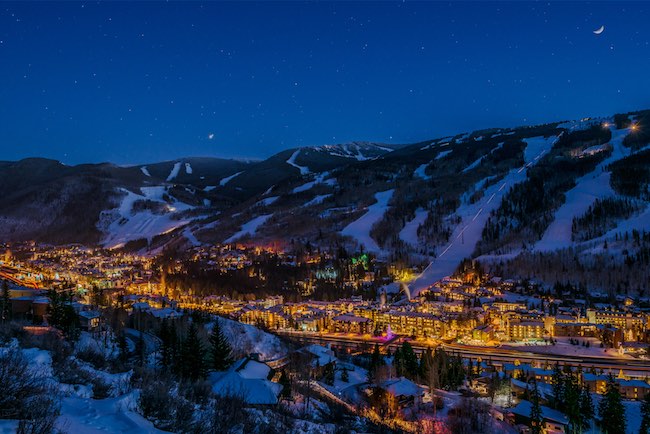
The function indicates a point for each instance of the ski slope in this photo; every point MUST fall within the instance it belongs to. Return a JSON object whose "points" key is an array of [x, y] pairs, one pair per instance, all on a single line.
{"points": [[420, 172], [317, 200], [174, 172], [473, 218], [592, 186], [480, 159], [122, 224], [267, 201], [249, 228], [360, 228], [292, 161], [319, 179], [409, 233], [226, 180]]}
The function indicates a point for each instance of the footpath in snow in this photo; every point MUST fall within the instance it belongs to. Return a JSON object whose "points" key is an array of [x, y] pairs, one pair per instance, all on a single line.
{"points": [[466, 235], [360, 228], [592, 186]]}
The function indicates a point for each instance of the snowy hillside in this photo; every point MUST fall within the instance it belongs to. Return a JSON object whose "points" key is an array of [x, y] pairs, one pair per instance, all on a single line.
{"points": [[496, 193], [468, 232], [592, 186], [143, 215]]}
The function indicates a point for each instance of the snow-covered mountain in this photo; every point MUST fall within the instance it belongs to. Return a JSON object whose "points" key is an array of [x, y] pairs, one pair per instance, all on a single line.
{"points": [[502, 195]]}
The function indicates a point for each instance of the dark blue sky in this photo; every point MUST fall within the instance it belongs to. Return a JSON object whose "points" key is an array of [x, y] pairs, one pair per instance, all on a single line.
{"points": [[139, 82]]}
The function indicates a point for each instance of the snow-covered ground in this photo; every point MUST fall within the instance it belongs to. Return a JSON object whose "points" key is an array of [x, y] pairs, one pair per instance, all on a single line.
{"points": [[248, 339], [563, 347], [227, 179], [317, 200], [360, 228], [79, 412], [189, 235], [592, 186], [478, 160], [121, 224], [640, 222], [188, 168], [174, 172], [443, 154], [409, 233], [111, 415], [420, 172], [249, 228], [319, 179], [292, 161], [353, 150], [474, 216], [145, 171], [267, 201]]}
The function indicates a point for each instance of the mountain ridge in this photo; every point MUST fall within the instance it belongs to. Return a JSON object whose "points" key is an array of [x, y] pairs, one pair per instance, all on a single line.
{"points": [[510, 182]]}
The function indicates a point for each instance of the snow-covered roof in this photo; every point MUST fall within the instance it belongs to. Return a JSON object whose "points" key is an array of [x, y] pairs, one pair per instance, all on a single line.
{"points": [[164, 313], [253, 369], [89, 314], [324, 355], [402, 387], [246, 379], [142, 305], [524, 407]]}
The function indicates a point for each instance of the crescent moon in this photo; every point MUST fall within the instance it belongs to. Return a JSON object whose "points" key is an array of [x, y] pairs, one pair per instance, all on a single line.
{"points": [[600, 30]]}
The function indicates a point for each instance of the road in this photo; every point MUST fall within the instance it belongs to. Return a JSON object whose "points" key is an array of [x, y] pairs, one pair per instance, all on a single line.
{"points": [[635, 367], [9, 273], [151, 342]]}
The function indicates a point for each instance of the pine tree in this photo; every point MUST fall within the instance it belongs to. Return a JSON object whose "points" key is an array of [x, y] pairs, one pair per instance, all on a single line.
{"points": [[645, 415], [571, 404], [411, 365], [220, 349], [398, 362], [193, 356], [285, 382], [329, 373], [429, 371], [345, 377], [611, 409], [5, 303], [140, 350], [62, 314], [376, 361], [558, 385], [165, 358], [586, 407], [536, 419], [124, 347]]}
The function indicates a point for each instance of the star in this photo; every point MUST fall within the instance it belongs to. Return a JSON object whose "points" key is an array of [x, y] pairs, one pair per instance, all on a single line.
{"points": [[210, 136]]}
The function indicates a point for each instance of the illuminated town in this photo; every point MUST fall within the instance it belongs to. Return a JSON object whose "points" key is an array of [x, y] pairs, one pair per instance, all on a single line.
{"points": [[324, 217], [507, 334]]}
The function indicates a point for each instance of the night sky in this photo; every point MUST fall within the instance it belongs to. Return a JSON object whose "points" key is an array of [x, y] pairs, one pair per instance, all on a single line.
{"points": [[143, 82]]}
